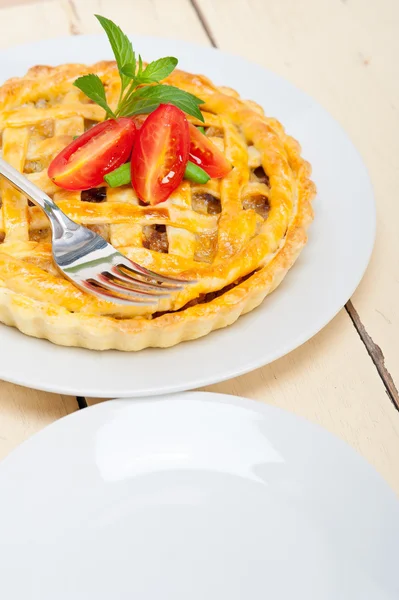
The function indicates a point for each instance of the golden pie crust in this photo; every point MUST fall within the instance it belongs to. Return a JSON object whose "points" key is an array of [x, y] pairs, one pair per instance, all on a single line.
{"points": [[237, 236]]}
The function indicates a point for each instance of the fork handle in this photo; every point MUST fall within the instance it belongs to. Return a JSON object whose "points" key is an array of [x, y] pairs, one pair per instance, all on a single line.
{"points": [[29, 189]]}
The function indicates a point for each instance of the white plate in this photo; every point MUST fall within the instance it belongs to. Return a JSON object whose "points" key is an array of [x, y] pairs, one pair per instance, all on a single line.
{"points": [[191, 497], [323, 279]]}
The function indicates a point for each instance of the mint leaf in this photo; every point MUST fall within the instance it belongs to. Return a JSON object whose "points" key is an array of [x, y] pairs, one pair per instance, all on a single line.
{"points": [[92, 86], [158, 70], [153, 73], [147, 99], [129, 71], [140, 66], [121, 47], [133, 98]]}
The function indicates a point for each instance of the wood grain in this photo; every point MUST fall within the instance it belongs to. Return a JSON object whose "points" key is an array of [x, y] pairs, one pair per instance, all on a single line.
{"points": [[10, 3], [22, 24], [23, 412], [173, 19]]}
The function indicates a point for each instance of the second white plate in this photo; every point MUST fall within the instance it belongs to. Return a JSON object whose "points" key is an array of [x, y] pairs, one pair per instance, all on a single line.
{"points": [[325, 276], [192, 497]]}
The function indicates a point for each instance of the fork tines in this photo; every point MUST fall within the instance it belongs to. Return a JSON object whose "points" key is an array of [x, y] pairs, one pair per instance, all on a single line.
{"points": [[130, 283]]}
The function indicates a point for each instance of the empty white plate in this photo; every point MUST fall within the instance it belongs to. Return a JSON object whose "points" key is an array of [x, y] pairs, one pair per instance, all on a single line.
{"points": [[326, 274], [189, 497]]}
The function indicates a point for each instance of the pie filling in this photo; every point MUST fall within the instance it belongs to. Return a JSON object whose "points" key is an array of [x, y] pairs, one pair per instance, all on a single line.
{"points": [[205, 298]]}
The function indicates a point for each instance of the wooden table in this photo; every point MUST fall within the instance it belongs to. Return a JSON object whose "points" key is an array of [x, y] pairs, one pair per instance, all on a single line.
{"points": [[343, 53]]}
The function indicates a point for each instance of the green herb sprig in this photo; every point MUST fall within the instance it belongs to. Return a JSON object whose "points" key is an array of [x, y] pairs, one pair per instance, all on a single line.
{"points": [[141, 90]]}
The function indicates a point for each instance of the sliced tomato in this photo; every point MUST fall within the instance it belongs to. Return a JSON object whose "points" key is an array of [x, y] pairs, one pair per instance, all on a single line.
{"points": [[205, 154], [160, 154], [100, 150]]}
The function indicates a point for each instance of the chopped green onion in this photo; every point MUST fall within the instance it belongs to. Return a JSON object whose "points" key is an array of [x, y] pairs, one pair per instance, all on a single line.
{"points": [[75, 137], [201, 129], [195, 173], [121, 176]]}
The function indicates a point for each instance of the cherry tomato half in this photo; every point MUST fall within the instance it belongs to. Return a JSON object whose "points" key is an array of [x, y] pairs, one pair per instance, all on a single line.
{"points": [[103, 148], [205, 154], [160, 154]]}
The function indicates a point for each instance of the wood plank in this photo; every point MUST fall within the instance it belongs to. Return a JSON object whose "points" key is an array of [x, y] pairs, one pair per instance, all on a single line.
{"points": [[11, 3], [174, 18], [354, 77], [23, 412], [22, 24]]}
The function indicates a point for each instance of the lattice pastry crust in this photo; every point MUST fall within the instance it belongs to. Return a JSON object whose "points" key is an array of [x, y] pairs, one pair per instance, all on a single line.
{"points": [[237, 236]]}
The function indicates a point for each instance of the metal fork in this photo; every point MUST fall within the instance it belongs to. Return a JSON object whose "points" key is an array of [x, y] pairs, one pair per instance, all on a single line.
{"points": [[88, 261]]}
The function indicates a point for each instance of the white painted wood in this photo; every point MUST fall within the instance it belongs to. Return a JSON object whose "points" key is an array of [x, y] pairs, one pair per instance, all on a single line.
{"points": [[171, 18], [23, 412], [10, 3], [25, 23]]}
